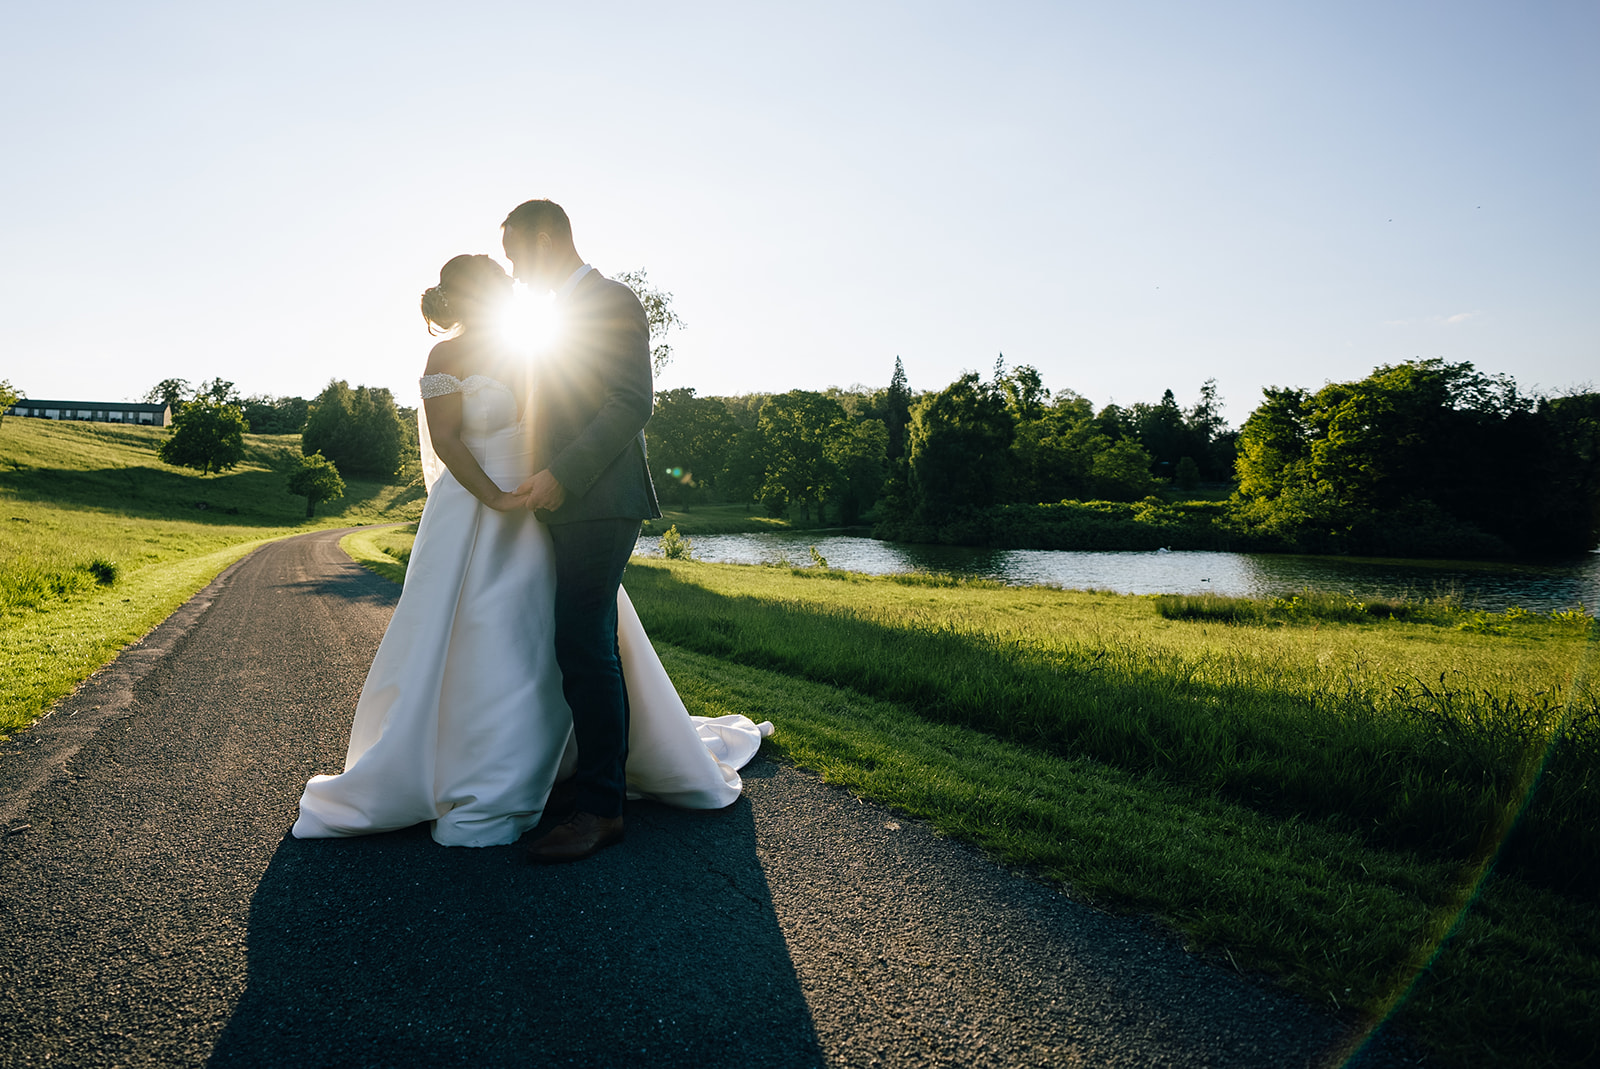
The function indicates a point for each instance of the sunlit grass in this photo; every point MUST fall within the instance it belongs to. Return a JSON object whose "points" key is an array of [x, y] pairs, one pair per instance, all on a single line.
{"points": [[84, 503], [715, 519], [385, 550], [1418, 736]]}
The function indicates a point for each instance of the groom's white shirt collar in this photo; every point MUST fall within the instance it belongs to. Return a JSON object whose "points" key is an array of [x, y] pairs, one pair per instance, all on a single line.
{"points": [[572, 282]]}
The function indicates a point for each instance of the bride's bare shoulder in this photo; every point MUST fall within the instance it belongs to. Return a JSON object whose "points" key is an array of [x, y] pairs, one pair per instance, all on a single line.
{"points": [[445, 358]]}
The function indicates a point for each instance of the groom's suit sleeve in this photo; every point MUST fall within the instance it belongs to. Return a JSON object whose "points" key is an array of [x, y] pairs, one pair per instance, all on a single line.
{"points": [[612, 343]]}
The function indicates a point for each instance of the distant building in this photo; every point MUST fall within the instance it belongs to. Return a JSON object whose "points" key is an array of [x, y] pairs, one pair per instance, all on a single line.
{"points": [[94, 411]]}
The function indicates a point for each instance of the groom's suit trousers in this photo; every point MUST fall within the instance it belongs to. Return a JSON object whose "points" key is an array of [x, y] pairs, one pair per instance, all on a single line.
{"points": [[590, 556]]}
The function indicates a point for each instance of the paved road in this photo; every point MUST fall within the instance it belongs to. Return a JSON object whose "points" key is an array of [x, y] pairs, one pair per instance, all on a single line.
{"points": [[153, 911]]}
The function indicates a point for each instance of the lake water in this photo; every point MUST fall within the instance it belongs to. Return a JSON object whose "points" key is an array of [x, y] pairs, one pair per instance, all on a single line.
{"points": [[1541, 587]]}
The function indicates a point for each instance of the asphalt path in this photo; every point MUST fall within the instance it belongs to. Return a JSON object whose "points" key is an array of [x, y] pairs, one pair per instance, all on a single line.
{"points": [[153, 910]]}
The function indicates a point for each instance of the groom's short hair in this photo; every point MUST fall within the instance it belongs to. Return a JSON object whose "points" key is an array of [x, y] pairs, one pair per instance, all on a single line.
{"points": [[540, 217]]}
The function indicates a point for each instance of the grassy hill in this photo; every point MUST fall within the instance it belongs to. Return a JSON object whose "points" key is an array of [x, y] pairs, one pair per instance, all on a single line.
{"points": [[100, 541]]}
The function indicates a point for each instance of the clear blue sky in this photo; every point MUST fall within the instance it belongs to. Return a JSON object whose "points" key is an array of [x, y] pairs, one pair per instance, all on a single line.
{"points": [[1128, 196]]}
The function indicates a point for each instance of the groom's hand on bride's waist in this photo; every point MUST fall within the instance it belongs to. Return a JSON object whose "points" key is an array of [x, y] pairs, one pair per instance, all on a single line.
{"points": [[542, 492]]}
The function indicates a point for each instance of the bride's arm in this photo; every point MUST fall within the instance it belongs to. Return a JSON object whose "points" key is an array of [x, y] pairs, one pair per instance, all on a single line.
{"points": [[444, 427], [444, 430]]}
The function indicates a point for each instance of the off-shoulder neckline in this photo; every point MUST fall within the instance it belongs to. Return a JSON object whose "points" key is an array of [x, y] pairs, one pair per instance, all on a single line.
{"points": [[489, 379]]}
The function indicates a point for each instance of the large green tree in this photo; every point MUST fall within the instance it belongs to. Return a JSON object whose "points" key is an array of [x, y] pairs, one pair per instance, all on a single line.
{"points": [[858, 452], [206, 434], [689, 439], [316, 479], [795, 429], [1421, 457], [359, 429], [1120, 471], [897, 411], [960, 450], [1053, 453]]}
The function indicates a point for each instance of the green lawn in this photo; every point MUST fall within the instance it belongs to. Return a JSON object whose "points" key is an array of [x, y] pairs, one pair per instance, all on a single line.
{"points": [[101, 542]]}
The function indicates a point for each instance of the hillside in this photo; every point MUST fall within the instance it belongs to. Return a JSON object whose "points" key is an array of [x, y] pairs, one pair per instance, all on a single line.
{"points": [[100, 541]]}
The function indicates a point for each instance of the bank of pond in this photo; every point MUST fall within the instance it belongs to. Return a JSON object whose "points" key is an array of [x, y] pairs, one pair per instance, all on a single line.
{"points": [[1492, 586]]}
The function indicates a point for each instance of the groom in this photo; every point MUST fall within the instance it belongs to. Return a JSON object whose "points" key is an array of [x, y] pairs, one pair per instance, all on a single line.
{"points": [[590, 404]]}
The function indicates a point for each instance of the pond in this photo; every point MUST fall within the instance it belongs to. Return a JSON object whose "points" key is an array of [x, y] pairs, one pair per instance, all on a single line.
{"points": [[1490, 586]]}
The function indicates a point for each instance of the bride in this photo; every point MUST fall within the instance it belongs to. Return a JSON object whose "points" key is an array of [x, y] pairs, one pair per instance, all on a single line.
{"points": [[461, 722]]}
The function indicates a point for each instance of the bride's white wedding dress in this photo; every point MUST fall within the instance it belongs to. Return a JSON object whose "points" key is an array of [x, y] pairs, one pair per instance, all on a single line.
{"points": [[461, 721]]}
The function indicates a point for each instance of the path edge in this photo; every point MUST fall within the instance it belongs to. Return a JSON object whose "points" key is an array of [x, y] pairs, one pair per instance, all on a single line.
{"points": [[36, 755]]}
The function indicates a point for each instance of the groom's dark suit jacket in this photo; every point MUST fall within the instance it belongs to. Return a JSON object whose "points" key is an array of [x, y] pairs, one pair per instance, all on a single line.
{"points": [[591, 400]]}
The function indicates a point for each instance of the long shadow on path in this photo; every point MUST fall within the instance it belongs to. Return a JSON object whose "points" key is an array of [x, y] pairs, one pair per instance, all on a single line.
{"points": [[391, 950]]}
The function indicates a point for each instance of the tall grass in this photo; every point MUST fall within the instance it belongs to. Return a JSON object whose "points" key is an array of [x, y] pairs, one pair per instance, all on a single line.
{"points": [[1307, 606], [1415, 758]]}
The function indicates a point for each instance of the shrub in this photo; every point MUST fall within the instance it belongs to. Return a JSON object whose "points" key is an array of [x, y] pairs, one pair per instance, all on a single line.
{"points": [[676, 547]]}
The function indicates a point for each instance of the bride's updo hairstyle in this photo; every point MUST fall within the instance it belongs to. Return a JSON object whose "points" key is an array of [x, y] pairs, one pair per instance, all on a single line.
{"points": [[469, 286]]}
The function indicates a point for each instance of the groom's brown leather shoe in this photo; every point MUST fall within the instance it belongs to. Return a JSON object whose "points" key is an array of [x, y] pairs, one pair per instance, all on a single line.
{"points": [[583, 836]]}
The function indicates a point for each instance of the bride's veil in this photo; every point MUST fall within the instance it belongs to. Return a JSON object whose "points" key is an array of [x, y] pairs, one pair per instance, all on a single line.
{"points": [[432, 466]]}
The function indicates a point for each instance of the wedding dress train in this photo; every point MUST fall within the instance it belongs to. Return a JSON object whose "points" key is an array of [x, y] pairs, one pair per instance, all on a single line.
{"points": [[461, 721]]}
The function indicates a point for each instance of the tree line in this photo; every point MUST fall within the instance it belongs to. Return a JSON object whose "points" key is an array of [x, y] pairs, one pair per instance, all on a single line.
{"points": [[923, 458], [1423, 458]]}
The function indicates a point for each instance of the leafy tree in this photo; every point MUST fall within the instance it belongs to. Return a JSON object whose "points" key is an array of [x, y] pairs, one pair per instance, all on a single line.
{"points": [[795, 429], [1165, 435], [689, 438], [1403, 432], [1570, 449], [897, 411], [1460, 457], [745, 469], [206, 434], [1205, 418], [1209, 434], [1024, 391], [169, 392], [360, 430], [316, 479], [1275, 445], [9, 395], [1121, 472], [275, 415], [1115, 423], [858, 453], [657, 312], [1054, 452], [219, 390], [960, 450]]}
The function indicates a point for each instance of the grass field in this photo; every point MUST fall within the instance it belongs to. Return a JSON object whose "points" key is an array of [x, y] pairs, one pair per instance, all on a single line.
{"points": [[100, 541]]}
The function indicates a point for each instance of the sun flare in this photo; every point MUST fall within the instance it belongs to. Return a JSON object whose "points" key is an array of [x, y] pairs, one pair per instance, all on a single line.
{"points": [[532, 322]]}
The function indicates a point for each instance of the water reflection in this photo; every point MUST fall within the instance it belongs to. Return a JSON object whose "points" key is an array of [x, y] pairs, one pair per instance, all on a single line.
{"points": [[1493, 587]]}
